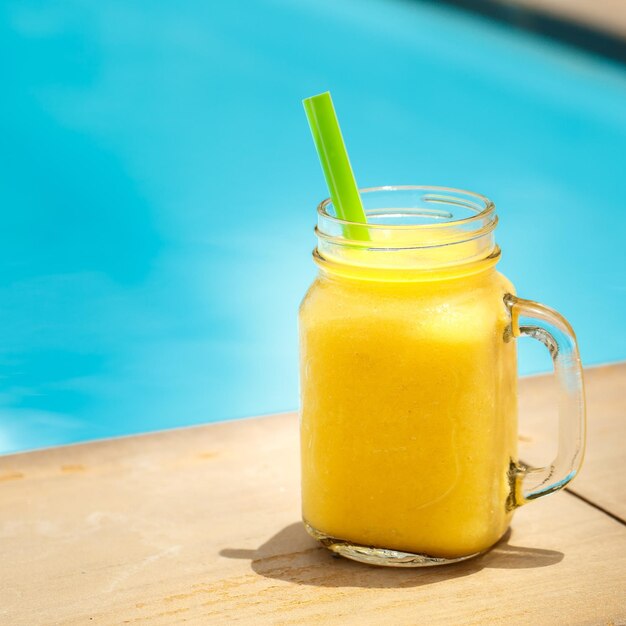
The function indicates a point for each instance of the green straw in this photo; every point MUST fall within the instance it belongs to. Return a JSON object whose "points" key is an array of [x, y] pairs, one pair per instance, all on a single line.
{"points": [[333, 156]]}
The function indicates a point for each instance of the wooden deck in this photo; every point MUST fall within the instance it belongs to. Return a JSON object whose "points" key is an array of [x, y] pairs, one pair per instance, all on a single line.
{"points": [[201, 526], [606, 15]]}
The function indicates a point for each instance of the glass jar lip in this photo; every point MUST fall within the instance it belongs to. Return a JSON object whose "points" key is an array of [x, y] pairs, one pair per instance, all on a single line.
{"points": [[486, 209]]}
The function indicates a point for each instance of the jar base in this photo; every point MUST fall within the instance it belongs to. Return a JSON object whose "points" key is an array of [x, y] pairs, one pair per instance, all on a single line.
{"points": [[380, 556]]}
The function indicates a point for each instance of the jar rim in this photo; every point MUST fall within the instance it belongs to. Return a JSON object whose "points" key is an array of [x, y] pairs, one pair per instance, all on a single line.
{"points": [[485, 209], [414, 228]]}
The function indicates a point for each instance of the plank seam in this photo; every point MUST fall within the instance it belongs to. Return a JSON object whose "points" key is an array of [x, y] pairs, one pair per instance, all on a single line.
{"points": [[614, 516]]}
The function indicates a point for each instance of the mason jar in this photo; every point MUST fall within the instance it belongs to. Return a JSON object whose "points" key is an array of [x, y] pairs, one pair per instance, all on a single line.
{"points": [[408, 374]]}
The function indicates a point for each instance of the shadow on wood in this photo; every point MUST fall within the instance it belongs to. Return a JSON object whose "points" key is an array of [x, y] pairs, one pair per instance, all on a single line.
{"points": [[292, 555]]}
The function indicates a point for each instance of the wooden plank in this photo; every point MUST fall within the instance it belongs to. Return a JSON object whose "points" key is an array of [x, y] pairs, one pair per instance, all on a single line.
{"points": [[601, 479], [201, 526], [607, 15]]}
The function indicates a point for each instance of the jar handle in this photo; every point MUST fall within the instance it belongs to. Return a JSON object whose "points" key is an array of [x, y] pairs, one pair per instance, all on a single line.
{"points": [[531, 319]]}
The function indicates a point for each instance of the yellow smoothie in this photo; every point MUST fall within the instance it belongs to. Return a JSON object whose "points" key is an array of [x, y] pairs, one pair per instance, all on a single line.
{"points": [[408, 422]]}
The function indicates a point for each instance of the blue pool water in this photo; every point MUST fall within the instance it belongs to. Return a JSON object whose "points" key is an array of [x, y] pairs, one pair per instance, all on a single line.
{"points": [[159, 185]]}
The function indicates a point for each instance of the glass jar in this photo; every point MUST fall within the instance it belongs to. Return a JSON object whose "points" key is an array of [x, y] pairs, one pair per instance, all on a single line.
{"points": [[409, 382]]}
